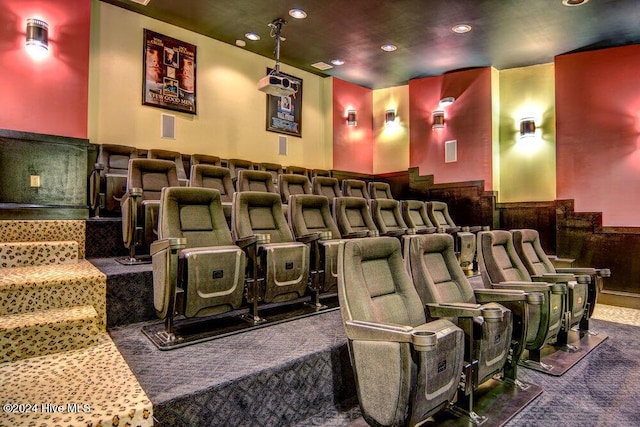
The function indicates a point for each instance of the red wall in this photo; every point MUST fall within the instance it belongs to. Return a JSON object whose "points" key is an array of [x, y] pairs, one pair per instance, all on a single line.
{"points": [[352, 146], [467, 120], [598, 132], [49, 96]]}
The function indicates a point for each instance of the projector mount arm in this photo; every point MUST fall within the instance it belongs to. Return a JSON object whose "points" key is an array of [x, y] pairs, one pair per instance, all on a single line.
{"points": [[276, 28]]}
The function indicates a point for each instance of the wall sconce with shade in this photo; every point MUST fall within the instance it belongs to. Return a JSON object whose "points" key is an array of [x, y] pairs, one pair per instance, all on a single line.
{"points": [[527, 127], [37, 42], [437, 119], [389, 117], [352, 118]]}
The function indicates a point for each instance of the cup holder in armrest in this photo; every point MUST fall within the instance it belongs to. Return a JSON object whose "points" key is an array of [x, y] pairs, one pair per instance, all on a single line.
{"points": [[424, 340], [263, 238], [326, 235], [492, 314], [535, 298]]}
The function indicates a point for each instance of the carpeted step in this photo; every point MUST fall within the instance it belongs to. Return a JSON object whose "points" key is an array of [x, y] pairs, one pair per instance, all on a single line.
{"points": [[22, 254], [56, 330], [25, 289], [84, 387], [44, 231]]}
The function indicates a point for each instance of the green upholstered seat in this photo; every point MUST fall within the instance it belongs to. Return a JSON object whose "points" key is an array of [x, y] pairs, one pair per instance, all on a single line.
{"points": [[108, 181], [387, 217], [414, 213], [379, 190], [290, 184], [405, 368], [353, 218], [355, 188]]}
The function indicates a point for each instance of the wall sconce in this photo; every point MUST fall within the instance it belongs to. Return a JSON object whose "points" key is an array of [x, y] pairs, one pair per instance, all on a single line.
{"points": [[352, 118], [37, 43], [445, 102], [389, 117], [527, 127], [438, 119]]}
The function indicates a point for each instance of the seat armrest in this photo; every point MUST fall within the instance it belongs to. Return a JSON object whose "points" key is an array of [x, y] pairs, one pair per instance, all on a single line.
{"points": [[454, 310], [577, 270], [356, 234], [98, 166], [558, 262], [427, 230], [452, 230], [553, 278], [245, 242], [372, 331], [173, 243], [556, 288], [308, 238], [394, 233], [603, 272], [484, 296]]}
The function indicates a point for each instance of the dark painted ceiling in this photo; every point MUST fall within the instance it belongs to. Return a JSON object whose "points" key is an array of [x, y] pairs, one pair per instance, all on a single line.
{"points": [[505, 34]]}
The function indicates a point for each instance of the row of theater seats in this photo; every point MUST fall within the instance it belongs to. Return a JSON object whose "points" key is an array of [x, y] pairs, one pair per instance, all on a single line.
{"points": [[109, 176], [202, 268], [421, 338]]}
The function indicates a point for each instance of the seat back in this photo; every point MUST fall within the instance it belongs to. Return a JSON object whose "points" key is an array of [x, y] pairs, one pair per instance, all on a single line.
{"points": [[173, 156], [437, 275], [152, 175], [309, 213], [275, 169], [320, 172], [256, 212], [396, 385], [500, 263], [252, 180], [527, 245], [291, 184], [386, 215], [380, 190], [216, 177], [205, 159], [326, 186], [297, 170], [236, 165], [414, 213], [352, 215], [354, 188], [439, 214], [114, 160], [213, 268]]}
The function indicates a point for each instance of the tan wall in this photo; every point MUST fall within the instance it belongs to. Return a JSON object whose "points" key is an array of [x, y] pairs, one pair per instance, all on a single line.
{"points": [[230, 120], [527, 166], [391, 143]]}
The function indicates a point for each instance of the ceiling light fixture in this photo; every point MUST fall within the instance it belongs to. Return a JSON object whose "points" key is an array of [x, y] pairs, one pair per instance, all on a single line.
{"points": [[461, 28], [241, 43], [297, 13], [337, 61], [389, 47], [574, 2], [275, 83], [37, 43], [445, 102], [252, 36]]}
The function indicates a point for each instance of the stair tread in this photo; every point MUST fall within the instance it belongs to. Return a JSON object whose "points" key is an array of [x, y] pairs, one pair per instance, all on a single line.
{"points": [[47, 317], [95, 376]]}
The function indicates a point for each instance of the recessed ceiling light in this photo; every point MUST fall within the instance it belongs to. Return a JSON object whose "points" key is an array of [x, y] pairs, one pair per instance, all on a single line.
{"points": [[298, 13], [461, 28], [252, 36], [337, 61], [389, 47], [322, 66], [574, 2], [241, 43]]}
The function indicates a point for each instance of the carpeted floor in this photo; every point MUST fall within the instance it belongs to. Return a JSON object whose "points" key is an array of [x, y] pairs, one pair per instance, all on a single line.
{"points": [[246, 377]]}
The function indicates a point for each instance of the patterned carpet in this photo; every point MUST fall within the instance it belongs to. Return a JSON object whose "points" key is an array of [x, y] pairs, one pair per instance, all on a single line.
{"points": [[298, 374]]}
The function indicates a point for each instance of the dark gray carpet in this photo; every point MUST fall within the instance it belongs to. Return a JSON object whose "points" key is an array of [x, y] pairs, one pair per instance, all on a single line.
{"points": [[298, 374]]}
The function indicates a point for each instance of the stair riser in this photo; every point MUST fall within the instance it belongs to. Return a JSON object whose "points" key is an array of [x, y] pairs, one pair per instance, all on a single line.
{"points": [[23, 342], [22, 254], [44, 231]]}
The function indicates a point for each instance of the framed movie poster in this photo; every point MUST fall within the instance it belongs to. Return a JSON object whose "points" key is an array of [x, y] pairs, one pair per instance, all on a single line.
{"points": [[168, 73], [284, 113]]}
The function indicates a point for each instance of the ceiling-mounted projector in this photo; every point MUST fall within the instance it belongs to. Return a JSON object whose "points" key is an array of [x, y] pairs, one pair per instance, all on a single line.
{"points": [[277, 85]]}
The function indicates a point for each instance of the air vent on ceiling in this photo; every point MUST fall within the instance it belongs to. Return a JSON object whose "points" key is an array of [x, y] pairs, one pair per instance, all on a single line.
{"points": [[322, 66], [142, 2]]}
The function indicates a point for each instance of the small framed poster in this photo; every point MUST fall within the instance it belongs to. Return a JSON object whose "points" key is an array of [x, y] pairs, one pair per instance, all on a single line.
{"points": [[284, 113], [168, 73]]}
